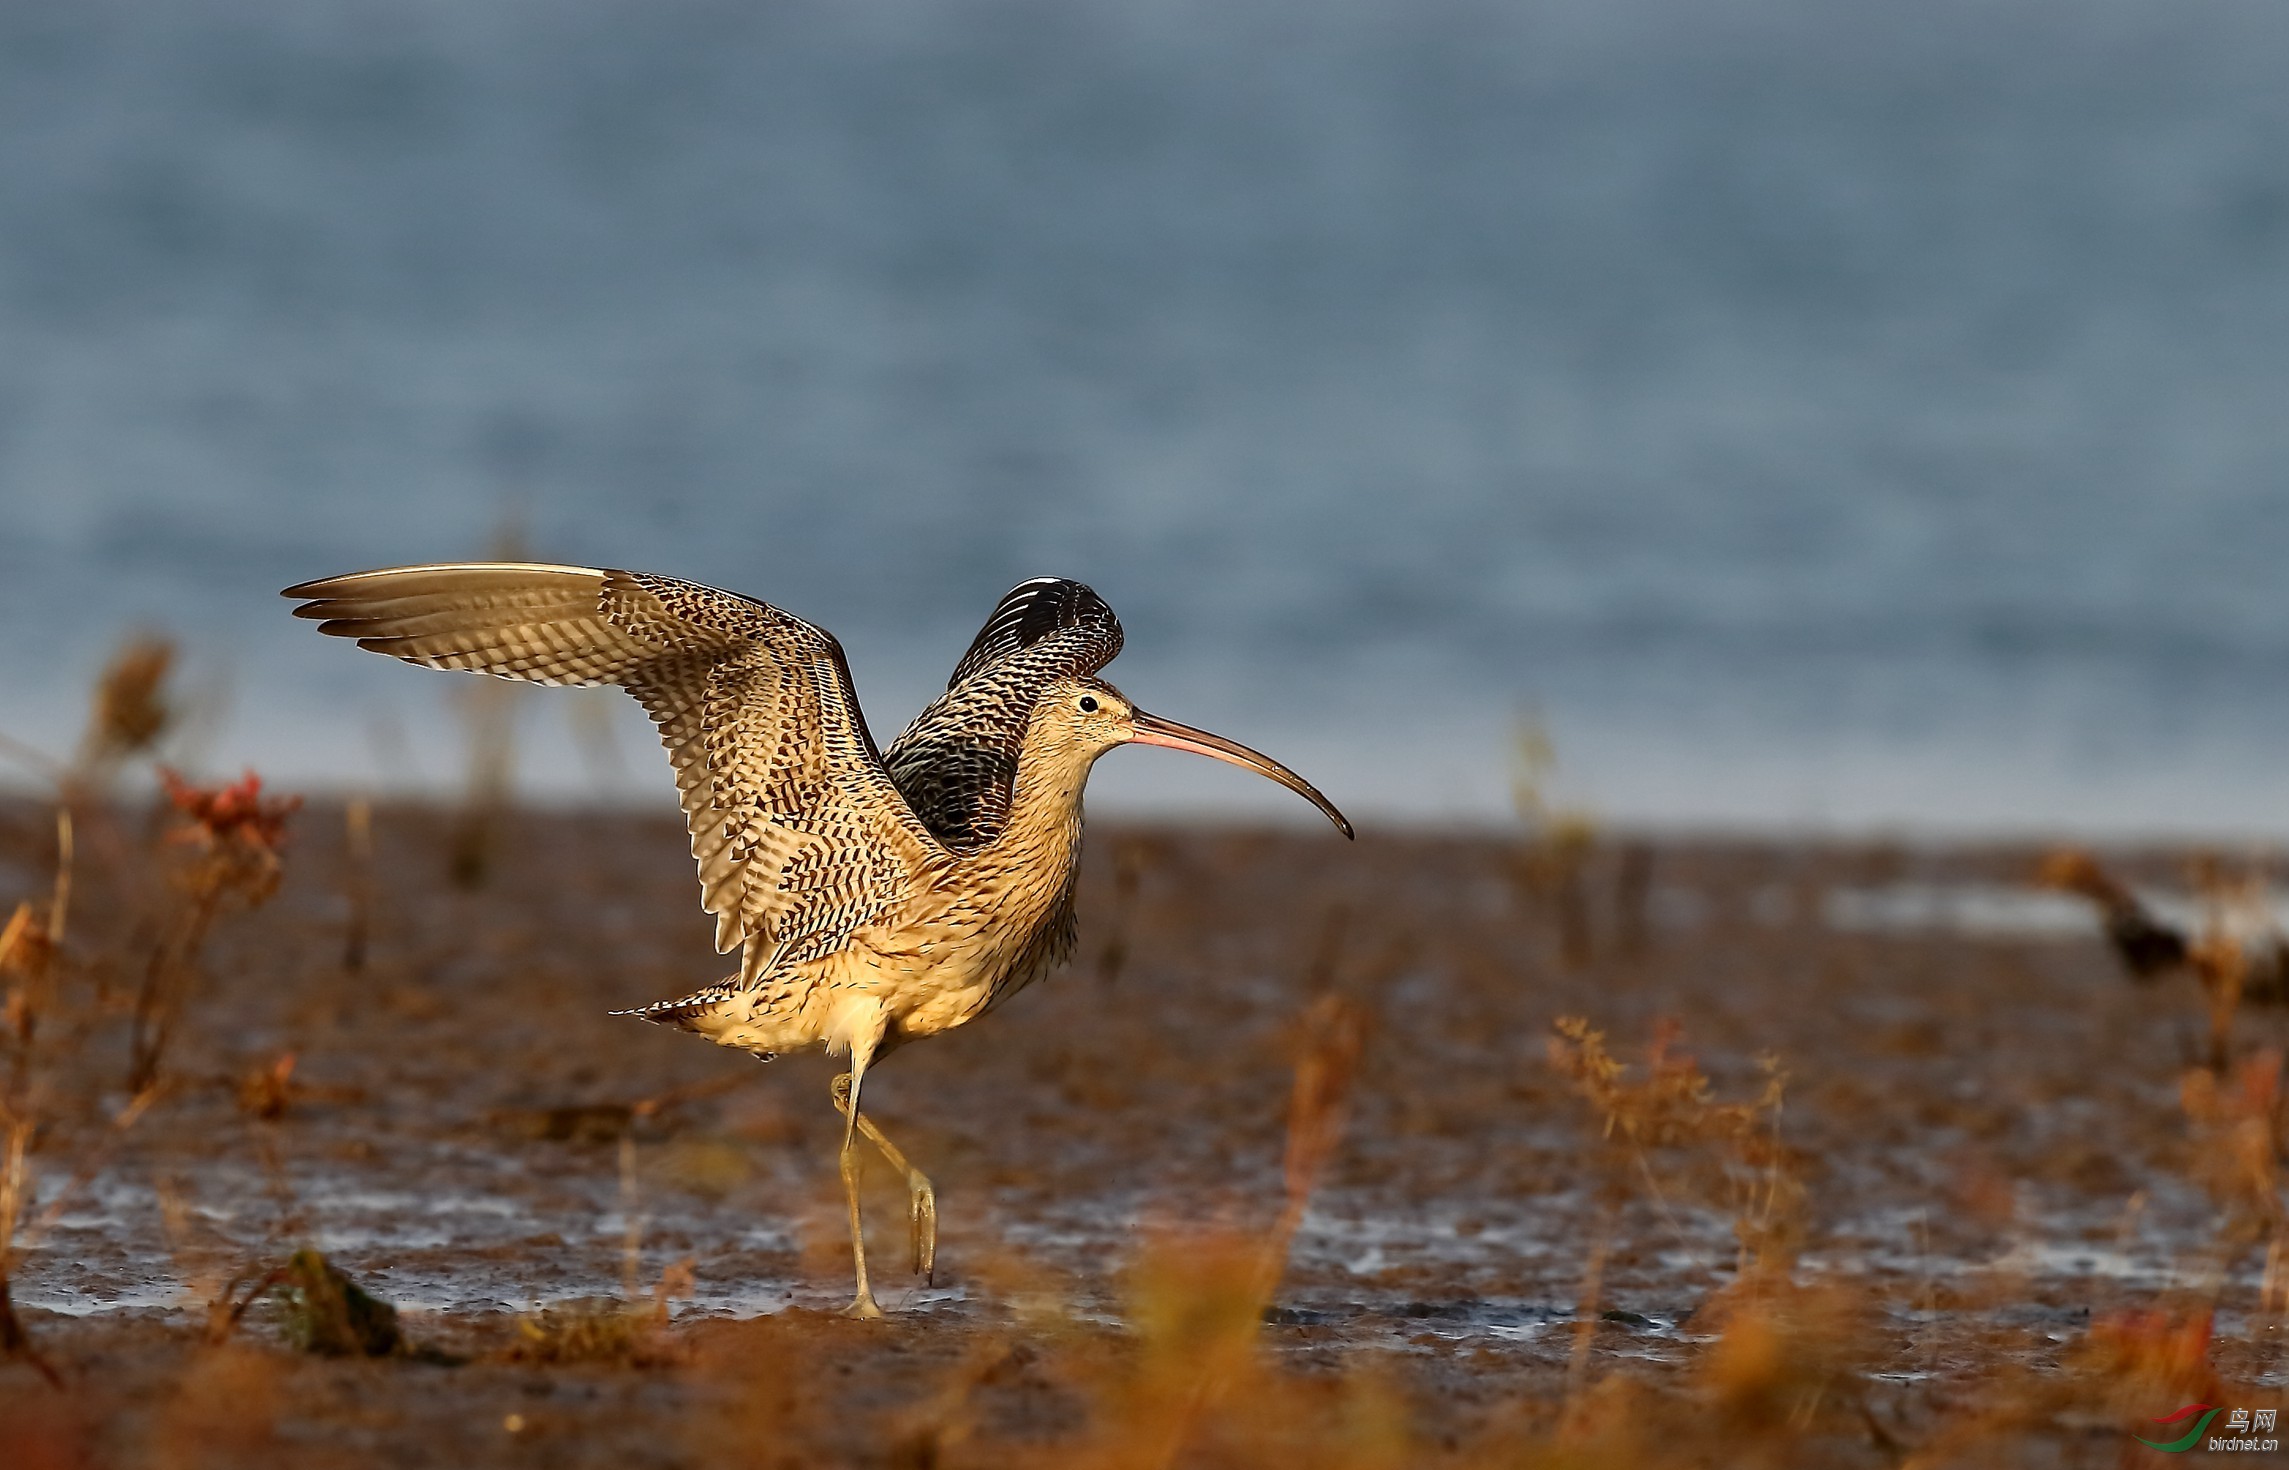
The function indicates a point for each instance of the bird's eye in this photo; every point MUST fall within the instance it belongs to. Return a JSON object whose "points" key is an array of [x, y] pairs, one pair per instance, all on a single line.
{"points": [[1088, 704]]}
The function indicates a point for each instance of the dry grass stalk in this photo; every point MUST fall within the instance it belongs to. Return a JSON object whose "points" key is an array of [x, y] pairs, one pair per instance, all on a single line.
{"points": [[28, 952], [1334, 1032], [599, 1330], [604, 1329], [198, 1256], [489, 721], [228, 1306], [620, 1331], [1552, 863], [121, 1123], [1785, 1356], [2136, 1363], [27, 958], [14, 1186], [2236, 1137], [28, 947], [1200, 1309], [16, 1197], [1727, 1156], [358, 843], [1586, 1311], [60, 900], [1633, 898], [488, 715], [131, 713], [264, 1092], [631, 1217], [232, 835]]}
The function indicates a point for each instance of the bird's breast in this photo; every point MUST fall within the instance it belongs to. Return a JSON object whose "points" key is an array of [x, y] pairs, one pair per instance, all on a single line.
{"points": [[949, 959]]}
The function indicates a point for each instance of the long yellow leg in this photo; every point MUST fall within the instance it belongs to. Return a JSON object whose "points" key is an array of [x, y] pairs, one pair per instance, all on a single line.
{"points": [[862, 1305], [921, 1198]]}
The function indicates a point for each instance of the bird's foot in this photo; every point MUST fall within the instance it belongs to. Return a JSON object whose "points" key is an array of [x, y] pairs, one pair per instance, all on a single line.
{"points": [[923, 1210], [864, 1309]]}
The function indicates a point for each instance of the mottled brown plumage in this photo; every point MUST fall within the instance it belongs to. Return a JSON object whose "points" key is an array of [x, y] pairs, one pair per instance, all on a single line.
{"points": [[957, 763], [875, 898]]}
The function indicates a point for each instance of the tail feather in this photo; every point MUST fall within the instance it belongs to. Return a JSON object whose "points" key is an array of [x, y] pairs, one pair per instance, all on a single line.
{"points": [[681, 1011]]}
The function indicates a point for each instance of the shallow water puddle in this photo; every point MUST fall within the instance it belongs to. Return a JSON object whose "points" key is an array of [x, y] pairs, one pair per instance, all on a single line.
{"points": [[1364, 1270], [2007, 911]]}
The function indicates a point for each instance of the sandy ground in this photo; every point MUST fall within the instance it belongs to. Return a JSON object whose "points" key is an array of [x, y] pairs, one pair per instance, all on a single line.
{"points": [[1983, 1150]]}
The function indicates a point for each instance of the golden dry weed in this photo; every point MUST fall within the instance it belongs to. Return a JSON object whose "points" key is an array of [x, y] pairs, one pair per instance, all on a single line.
{"points": [[1034, 1362], [2235, 1142], [1666, 1132], [605, 1329], [28, 959], [1551, 865], [264, 1092], [130, 712]]}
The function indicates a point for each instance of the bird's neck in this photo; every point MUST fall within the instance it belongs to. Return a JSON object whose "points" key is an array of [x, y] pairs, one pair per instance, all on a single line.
{"points": [[1044, 828]]}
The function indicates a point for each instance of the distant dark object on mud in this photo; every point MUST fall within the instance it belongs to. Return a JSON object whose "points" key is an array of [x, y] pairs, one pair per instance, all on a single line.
{"points": [[2255, 964], [2147, 947]]}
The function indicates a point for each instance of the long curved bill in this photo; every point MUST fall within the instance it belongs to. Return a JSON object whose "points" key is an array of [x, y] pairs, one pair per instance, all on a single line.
{"points": [[1153, 730]]}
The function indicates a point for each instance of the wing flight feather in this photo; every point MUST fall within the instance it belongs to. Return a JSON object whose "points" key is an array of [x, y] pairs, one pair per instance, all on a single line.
{"points": [[957, 763], [800, 836]]}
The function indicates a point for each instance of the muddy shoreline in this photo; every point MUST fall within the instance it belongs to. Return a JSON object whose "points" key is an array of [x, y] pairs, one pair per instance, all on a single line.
{"points": [[1984, 1139]]}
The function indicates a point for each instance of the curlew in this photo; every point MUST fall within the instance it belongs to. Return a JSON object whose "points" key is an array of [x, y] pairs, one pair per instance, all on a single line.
{"points": [[874, 897]]}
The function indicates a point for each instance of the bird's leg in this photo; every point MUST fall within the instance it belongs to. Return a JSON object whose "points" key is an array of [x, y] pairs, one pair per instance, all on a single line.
{"points": [[862, 1305], [921, 1198]]}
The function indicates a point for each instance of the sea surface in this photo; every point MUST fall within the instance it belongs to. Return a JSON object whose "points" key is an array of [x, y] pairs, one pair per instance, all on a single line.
{"points": [[1802, 413]]}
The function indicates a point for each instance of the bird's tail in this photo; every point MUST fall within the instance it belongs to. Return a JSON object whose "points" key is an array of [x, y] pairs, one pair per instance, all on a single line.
{"points": [[683, 1010]]}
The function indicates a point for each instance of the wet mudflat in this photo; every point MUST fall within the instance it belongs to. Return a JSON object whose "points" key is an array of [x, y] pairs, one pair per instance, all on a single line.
{"points": [[1862, 1155]]}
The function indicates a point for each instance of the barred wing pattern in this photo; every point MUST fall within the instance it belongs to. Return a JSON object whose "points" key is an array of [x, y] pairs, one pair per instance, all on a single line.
{"points": [[1042, 608], [800, 834], [957, 763]]}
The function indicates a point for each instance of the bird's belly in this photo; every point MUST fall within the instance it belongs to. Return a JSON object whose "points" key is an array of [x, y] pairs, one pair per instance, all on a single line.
{"points": [[915, 989], [925, 992]]}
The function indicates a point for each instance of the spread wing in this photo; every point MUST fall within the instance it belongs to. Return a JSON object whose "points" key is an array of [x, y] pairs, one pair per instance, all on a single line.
{"points": [[800, 834], [957, 763], [1044, 608]]}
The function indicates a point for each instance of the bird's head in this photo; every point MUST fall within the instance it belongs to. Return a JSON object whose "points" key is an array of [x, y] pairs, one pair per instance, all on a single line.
{"points": [[1088, 716]]}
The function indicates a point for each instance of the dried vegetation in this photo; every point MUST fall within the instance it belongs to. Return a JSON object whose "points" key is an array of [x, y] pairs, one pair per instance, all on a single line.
{"points": [[1566, 1151]]}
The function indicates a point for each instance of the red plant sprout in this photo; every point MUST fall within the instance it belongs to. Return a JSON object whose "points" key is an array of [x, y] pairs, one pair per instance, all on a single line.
{"points": [[238, 812], [237, 832]]}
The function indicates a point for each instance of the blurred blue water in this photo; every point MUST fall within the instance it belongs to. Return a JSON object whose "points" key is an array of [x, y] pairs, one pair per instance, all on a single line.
{"points": [[1816, 411]]}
